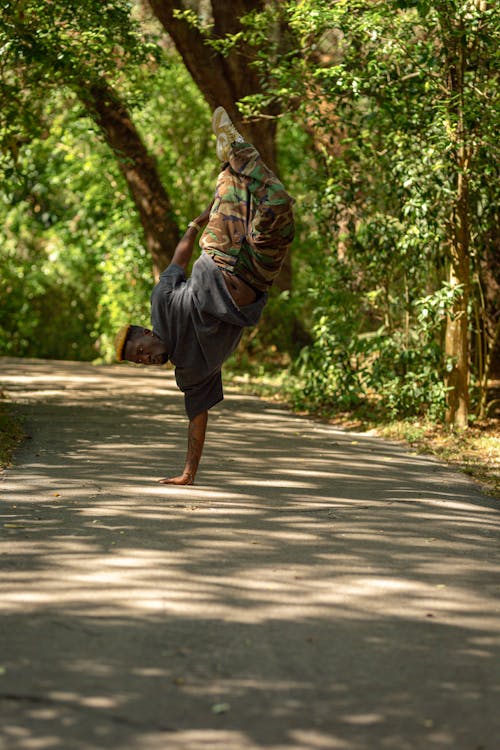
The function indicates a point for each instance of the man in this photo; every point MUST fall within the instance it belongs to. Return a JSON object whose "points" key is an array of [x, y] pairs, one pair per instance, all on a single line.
{"points": [[197, 323]]}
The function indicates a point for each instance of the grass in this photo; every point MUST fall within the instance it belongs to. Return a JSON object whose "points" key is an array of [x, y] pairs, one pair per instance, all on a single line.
{"points": [[11, 434], [475, 451]]}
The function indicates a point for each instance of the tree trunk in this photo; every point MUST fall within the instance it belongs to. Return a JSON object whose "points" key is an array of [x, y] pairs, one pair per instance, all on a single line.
{"points": [[454, 42], [225, 79], [457, 350], [457, 323], [139, 168]]}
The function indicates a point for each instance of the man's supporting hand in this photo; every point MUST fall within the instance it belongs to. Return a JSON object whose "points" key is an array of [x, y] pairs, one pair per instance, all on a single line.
{"points": [[196, 439], [181, 479]]}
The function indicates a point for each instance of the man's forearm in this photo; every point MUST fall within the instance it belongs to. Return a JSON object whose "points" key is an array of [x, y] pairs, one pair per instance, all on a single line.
{"points": [[196, 440], [184, 250]]}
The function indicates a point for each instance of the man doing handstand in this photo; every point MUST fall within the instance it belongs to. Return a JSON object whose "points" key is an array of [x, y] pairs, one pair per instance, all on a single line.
{"points": [[198, 322]]}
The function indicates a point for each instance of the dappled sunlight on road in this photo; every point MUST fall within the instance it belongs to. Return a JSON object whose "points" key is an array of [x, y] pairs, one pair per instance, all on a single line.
{"points": [[315, 588]]}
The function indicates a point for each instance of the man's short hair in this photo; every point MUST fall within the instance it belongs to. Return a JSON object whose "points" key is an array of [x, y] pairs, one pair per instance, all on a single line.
{"points": [[126, 333]]}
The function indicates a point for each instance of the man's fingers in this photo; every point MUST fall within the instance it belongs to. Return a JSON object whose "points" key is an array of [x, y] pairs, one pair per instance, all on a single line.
{"points": [[176, 480]]}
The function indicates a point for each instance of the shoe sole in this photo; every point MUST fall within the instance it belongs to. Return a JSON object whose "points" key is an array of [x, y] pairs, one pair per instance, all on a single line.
{"points": [[220, 120]]}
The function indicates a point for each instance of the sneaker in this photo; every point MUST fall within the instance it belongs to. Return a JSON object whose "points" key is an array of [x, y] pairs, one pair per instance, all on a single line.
{"points": [[225, 132]]}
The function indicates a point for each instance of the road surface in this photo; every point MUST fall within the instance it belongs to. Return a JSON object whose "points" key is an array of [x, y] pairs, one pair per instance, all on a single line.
{"points": [[315, 590]]}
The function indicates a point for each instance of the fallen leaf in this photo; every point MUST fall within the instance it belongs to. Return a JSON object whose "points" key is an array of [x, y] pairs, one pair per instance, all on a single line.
{"points": [[221, 708], [14, 525]]}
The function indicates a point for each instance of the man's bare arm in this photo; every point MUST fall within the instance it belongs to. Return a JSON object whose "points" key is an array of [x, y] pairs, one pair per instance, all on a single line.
{"points": [[184, 249], [196, 440]]}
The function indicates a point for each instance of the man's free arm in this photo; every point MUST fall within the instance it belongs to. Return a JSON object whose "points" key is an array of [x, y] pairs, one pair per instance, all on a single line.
{"points": [[184, 250]]}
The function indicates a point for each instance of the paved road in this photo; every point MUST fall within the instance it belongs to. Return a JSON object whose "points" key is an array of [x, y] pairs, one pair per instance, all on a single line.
{"points": [[316, 590]]}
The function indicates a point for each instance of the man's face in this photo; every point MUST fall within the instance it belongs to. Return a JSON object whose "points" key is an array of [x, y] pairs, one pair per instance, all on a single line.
{"points": [[148, 349]]}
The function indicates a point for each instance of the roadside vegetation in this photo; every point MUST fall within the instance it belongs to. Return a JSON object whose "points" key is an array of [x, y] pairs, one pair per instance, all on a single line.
{"points": [[11, 434]]}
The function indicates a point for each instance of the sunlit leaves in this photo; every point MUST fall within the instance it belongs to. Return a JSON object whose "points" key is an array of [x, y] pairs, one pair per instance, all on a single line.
{"points": [[60, 44], [375, 86]]}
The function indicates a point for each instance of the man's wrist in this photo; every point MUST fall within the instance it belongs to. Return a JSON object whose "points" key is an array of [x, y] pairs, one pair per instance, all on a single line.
{"points": [[194, 225]]}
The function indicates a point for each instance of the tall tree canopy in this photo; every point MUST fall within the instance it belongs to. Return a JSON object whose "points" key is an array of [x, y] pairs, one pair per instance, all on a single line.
{"points": [[401, 100], [86, 47]]}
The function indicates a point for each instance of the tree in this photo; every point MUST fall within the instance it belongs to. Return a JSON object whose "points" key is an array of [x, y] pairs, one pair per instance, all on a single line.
{"points": [[403, 101], [138, 166], [214, 51], [465, 44], [80, 46], [73, 263], [223, 61]]}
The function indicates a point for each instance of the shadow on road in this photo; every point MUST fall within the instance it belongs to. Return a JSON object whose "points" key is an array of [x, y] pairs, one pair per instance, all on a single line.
{"points": [[316, 589]]}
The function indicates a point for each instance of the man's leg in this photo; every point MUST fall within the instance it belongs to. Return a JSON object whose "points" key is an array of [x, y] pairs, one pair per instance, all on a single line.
{"points": [[251, 223], [229, 220], [270, 228]]}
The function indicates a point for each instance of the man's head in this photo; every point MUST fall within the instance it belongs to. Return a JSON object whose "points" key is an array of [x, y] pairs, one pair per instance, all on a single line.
{"points": [[138, 344]]}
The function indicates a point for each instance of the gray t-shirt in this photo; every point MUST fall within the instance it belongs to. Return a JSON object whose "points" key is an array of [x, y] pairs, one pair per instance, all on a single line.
{"points": [[201, 325]]}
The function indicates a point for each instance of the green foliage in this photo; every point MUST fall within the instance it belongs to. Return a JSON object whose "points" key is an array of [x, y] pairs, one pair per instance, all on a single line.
{"points": [[63, 205], [371, 82], [52, 213], [46, 46], [406, 374], [176, 124], [400, 371], [72, 258], [331, 367]]}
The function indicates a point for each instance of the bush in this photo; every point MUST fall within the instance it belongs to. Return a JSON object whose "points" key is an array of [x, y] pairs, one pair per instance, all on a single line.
{"points": [[401, 372]]}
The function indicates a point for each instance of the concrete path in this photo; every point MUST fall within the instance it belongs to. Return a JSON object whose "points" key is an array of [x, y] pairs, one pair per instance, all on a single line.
{"points": [[316, 590]]}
